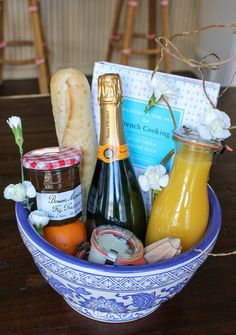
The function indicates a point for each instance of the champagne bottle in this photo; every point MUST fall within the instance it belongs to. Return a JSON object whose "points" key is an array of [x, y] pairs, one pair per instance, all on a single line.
{"points": [[115, 197]]}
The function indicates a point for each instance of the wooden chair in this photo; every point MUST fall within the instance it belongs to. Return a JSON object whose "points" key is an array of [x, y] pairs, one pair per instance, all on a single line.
{"points": [[40, 56], [123, 42]]}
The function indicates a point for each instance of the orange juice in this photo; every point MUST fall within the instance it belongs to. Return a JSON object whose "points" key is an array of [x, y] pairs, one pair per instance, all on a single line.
{"points": [[182, 209]]}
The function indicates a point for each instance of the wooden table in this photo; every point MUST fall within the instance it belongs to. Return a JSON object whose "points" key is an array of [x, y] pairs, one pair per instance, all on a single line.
{"points": [[29, 306]]}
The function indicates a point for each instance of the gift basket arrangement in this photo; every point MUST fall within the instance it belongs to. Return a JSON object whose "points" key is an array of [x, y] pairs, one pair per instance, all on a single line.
{"points": [[120, 215]]}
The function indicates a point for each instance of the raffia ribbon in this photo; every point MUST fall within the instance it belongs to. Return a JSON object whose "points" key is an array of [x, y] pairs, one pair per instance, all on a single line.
{"points": [[220, 254]]}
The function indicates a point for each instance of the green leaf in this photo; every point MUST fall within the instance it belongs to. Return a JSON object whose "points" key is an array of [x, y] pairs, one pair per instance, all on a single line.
{"points": [[28, 204], [17, 131], [39, 229], [154, 195], [152, 101]]}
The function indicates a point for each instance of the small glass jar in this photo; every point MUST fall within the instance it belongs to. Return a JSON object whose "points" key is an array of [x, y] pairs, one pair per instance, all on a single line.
{"points": [[115, 246], [55, 174], [181, 209]]}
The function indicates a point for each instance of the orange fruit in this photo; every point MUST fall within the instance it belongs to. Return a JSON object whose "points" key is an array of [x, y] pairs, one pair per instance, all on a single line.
{"points": [[66, 237]]}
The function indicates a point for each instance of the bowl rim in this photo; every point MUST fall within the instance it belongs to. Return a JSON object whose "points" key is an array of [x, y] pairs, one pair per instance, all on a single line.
{"points": [[209, 237]]}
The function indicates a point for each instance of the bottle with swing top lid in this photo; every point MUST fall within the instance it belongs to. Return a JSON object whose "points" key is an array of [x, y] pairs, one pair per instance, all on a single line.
{"points": [[181, 209]]}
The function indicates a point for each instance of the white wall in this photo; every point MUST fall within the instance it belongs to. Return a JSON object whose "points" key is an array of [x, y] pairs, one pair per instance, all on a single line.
{"points": [[77, 32], [220, 41]]}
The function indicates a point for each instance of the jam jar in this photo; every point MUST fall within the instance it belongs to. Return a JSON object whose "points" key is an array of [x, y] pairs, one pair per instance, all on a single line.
{"points": [[55, 174]]}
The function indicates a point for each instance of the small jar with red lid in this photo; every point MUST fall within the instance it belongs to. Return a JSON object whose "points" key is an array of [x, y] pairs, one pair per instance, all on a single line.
{"points": [[55, 174]]}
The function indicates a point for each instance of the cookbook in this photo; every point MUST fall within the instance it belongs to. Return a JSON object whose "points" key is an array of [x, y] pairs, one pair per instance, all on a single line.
{"points": [[149, 135]]}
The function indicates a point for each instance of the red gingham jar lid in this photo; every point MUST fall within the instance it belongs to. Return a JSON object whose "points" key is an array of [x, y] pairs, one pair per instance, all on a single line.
{"points": [[51, 158]]}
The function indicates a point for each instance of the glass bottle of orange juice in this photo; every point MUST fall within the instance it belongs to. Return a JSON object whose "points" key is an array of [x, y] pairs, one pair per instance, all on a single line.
{"points": [[182, 208]]}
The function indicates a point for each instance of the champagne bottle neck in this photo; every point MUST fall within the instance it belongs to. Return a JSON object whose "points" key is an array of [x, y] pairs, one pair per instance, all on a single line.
{"points": [[112, 144], [111, 131]]}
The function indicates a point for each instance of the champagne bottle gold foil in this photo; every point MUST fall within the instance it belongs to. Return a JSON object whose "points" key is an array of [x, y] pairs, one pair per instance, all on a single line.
{"points": [[109, 88], [112, 144]]}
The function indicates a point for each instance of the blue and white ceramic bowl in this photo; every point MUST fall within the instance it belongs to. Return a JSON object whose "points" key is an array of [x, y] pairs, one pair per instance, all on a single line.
{"points": [[117, 294]]}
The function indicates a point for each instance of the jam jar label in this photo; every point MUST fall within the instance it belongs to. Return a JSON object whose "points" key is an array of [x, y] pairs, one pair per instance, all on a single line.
{"points": [[60, 206]]}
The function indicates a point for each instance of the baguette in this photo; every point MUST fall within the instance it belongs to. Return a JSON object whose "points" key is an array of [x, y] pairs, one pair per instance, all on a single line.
{"points": [[72, 111]]}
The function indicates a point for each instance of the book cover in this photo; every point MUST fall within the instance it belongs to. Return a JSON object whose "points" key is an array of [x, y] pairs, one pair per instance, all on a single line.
{"points": [[149, 135]]}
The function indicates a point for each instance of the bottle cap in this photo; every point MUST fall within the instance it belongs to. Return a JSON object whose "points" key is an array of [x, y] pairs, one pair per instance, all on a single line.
{"points": [[109, 88], [190, 136], [51, 158]]}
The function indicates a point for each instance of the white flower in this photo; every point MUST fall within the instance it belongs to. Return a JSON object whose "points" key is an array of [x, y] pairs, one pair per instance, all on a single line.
{"points": [[154, 178], [29, 189], [19, 192], [162, 88], [9, 192], [14, 122], [15, 192], [38, 218], [214, 125]]}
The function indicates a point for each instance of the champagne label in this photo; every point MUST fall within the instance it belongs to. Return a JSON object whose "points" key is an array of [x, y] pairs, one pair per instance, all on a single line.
{"points": [[60, 206], [109, 153]]}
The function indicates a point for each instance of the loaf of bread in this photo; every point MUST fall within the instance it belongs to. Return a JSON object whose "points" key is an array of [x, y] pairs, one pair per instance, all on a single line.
{"points": [[72, 111]]}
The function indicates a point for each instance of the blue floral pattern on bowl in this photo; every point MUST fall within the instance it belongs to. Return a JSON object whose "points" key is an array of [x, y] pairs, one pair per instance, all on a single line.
{"points": [[122, 293]]}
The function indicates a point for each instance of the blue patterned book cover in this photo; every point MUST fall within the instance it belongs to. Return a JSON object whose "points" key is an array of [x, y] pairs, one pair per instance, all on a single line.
{"points": [[149, 136]]}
